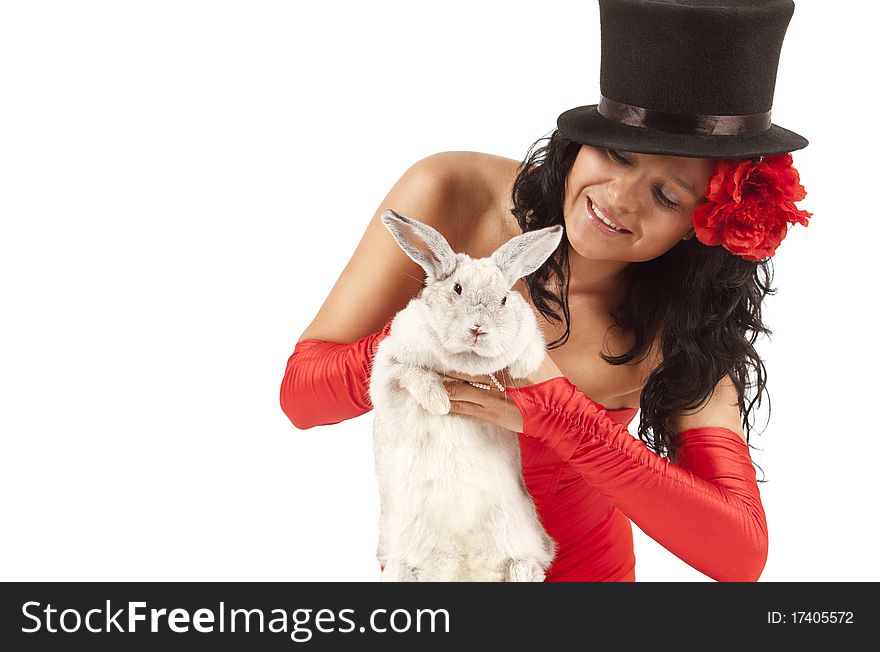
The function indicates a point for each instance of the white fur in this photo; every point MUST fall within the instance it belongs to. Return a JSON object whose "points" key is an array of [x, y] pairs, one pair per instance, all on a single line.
{"points": [[454, 505]]}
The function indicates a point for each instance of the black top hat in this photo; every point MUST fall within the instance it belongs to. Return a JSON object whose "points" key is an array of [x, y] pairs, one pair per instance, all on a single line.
{"points": [[687, 78]]}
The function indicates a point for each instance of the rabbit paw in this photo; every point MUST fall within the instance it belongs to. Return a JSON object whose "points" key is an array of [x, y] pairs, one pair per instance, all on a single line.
{"points": [[523, 570], [435, 400], [428, 391]]}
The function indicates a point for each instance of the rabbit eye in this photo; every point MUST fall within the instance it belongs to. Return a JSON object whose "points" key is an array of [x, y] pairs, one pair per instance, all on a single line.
{"points": [[457, 288], [504, 300]]}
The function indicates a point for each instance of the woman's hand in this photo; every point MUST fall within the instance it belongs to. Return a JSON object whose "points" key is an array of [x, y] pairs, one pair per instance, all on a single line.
{"points": [[493, 405]]}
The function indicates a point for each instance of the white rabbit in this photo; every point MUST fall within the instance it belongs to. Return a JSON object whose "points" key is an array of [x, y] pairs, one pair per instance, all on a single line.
{"points": [[454, 505]]}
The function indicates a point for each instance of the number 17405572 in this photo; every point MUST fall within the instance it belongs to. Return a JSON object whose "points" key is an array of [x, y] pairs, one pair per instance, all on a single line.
{"points": [[813, 617]]}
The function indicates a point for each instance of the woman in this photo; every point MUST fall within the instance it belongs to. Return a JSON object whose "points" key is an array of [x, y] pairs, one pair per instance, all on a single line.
{"points": [[674, 191]]}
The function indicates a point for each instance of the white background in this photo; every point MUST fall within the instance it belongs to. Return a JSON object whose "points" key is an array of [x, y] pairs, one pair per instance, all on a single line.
{"points": [[181, 184]]}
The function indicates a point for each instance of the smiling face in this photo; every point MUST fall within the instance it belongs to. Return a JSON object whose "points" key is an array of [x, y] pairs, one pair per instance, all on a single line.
{"points": [[648, 199]]}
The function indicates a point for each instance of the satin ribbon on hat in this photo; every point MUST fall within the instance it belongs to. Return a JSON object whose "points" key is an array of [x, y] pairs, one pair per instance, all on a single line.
{"points": [[696, 124]]}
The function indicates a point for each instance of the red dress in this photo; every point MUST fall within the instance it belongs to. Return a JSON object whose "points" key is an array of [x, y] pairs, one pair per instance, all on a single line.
{"points": [[594, 539]]}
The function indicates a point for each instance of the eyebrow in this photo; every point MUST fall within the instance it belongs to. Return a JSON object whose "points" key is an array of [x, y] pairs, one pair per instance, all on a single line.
{"points": [[684, 184]]}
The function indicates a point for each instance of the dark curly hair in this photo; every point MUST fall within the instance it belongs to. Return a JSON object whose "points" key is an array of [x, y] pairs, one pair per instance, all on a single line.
{"points": [[701, 303]]}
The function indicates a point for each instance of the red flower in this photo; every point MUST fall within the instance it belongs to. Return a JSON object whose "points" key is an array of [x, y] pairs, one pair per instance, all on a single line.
{"points": [[750, 206]]}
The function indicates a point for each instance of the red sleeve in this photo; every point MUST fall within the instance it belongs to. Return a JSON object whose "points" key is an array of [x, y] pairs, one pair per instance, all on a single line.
{"points": [[328, 382], [706, 509]]}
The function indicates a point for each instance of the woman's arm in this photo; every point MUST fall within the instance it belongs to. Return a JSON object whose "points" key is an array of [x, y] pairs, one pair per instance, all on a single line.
{"points": [[327, 376], [706, 509], [327, 382]]}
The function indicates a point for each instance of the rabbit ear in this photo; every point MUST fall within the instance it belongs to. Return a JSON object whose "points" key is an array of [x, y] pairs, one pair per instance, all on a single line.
{"points": [[424, 244], [522, 255]]}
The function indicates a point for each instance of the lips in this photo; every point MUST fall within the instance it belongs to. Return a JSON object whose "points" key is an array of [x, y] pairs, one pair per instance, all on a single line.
{"points": [[593, 207]]}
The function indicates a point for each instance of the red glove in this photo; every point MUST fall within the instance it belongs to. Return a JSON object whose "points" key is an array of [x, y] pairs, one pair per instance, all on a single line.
{"points": [[327, 382], [706, 509]]}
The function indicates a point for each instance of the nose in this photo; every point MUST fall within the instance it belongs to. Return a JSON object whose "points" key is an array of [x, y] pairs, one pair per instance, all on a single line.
{"points": [[623, 194], [476, 330]]}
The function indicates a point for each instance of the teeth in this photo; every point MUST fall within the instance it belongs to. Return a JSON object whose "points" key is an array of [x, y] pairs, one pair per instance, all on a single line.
{"points": [[605, 219]]}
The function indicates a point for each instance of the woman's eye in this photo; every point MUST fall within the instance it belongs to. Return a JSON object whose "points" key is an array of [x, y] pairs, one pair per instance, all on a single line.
{"points": [[616, 157], [457, 288], [663, 199]]}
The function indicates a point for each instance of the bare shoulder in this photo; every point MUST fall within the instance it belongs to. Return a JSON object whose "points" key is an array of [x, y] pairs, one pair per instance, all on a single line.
{"points": [[720, 410], [473, 169], [481, 181], [466, 191], [471, 163], [456, 192]]}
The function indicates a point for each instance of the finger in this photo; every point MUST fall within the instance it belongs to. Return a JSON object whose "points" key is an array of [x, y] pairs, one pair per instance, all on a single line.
{"points": [[465, 407]]}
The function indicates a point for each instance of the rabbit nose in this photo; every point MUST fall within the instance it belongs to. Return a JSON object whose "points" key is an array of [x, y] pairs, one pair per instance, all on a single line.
{"points": [[475, 329]]}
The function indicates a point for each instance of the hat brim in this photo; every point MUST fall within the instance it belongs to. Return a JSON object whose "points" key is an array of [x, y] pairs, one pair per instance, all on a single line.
{"points": [[585, 125]]}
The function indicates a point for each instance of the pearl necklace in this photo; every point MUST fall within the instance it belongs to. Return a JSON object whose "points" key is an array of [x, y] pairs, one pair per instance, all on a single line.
{"points": [[487, 387]]}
